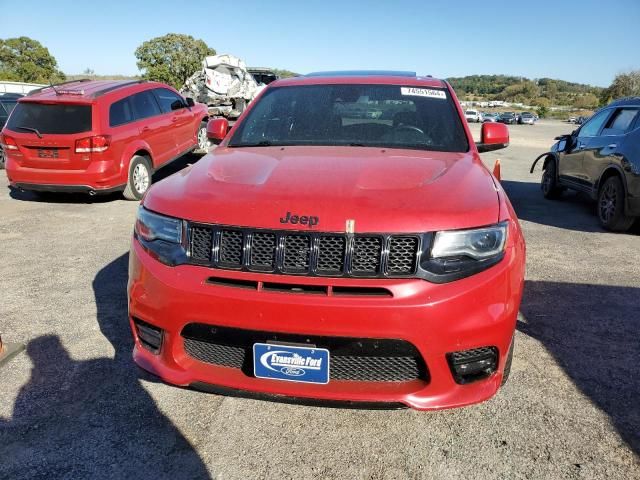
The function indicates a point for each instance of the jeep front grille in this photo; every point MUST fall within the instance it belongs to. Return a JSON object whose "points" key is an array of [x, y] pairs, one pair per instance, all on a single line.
{"points": [[304, 253]]}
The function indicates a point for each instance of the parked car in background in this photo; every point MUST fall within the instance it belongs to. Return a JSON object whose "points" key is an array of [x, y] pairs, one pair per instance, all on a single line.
{"points": [[473, 116], [601, 159], [571, 119], [99, 136], [526, 118], [490, 117], [7, 103], [317, 258], [508, 118]]}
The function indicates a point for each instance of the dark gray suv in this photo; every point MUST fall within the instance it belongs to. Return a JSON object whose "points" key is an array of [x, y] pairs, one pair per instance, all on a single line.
{"points": [[602, 159]]}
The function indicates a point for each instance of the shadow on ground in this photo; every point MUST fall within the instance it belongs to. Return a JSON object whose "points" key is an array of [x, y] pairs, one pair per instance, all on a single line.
{"points": [[573, 211], [592, 331], [92, 418], [60, 197]]}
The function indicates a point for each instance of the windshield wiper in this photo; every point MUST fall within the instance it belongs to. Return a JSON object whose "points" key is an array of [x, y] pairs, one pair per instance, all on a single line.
{"points": [[30, 129]]}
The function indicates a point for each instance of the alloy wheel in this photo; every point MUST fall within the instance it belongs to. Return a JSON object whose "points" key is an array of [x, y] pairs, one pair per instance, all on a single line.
{"points": [[140, 178], [203, 141], [608, 200]]}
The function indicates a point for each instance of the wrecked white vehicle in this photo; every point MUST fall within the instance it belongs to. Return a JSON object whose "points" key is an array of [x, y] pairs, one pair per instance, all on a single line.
{"points": [[224, 84]]}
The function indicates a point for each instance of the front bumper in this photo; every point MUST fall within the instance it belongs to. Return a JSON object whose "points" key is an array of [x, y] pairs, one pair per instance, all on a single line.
{"points": [[437, 319]]}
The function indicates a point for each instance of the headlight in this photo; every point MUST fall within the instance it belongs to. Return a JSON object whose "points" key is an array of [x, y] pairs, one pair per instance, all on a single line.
{"points": [[161, 236], [151, 226], [456, 254], [477, 243]]}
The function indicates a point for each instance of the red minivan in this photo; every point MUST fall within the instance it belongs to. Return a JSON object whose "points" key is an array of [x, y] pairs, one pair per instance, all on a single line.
{"points": [[99, 136]]}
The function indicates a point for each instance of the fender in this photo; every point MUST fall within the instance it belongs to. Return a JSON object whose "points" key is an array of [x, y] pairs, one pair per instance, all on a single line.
{"points": [[551, 154], [131, 148]]}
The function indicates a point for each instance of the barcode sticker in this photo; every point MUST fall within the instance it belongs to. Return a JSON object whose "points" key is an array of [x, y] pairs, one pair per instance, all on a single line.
{"points": [[423, 92]]}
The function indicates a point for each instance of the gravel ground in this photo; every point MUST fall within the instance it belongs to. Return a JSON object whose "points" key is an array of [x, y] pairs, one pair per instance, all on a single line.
{"points": [[75, 406]]}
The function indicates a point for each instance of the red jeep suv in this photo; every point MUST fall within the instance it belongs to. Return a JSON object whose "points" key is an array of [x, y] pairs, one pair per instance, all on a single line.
{"points": [[344, 244], [99, 136]]}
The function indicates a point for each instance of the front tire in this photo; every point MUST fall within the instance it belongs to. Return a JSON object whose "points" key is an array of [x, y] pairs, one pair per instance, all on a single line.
{"points": [[139, 179], [549, 183], [611, 206]]}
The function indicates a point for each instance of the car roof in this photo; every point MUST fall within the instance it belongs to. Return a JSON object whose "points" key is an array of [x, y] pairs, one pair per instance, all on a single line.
{"points": [[378, 77], [82, 91], [624, 102]]}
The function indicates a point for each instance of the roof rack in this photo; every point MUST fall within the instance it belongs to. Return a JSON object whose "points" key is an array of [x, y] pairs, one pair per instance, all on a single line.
{"points": [[38, 90], [362, 73], [99, 93]]}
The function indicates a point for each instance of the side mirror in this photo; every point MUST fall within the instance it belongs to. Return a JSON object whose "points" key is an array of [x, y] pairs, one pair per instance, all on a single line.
{"points": [[190, 102], [564, 143], [493, 136], [217, 129], [177, 105]]}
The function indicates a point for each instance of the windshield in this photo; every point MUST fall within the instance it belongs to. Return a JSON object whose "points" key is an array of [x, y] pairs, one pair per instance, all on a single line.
{"points": [[354, 115], [56, 118]]}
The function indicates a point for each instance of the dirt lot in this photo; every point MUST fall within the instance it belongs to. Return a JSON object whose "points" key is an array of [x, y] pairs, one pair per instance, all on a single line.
{"points": [[74, 405]]}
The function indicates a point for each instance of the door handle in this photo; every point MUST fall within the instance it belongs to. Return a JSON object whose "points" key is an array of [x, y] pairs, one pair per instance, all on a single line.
{"points": [[175, 119], [612, 145], [580, 146], [145, 129]]}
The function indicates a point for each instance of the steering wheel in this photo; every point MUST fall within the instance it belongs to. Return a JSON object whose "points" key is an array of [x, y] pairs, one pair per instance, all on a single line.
{"points": [[409, 128]]}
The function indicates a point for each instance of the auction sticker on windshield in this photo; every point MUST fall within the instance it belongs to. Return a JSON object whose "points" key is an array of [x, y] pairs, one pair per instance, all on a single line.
{"points": [[291, 363], [423, 92]]}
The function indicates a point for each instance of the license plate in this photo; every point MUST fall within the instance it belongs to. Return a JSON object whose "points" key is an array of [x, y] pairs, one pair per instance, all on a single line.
{"points": [[291, 363], [48, 153]]}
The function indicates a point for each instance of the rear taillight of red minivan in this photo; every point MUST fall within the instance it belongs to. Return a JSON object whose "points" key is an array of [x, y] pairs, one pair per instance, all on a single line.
{"points": [[95, 144], [8, 143]]}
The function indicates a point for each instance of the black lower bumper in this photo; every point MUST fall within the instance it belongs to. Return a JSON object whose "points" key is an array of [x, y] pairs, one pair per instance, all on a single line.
{"points": [[47, 187]]}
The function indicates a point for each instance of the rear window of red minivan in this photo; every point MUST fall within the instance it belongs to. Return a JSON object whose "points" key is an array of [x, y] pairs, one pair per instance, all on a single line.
{"points": [[59, 118]]}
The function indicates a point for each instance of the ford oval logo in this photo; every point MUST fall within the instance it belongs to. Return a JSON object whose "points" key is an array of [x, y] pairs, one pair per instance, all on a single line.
{"points": [[292, 371]]}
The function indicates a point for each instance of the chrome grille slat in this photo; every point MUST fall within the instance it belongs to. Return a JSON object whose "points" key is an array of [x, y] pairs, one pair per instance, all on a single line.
{"points": [[305, 253]]}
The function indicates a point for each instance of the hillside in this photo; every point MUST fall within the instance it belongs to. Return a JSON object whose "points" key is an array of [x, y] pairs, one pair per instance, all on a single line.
{"points": [[540, 92]]}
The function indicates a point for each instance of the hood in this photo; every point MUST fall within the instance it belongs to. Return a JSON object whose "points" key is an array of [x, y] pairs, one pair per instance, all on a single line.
{"points": [[383, 190]]}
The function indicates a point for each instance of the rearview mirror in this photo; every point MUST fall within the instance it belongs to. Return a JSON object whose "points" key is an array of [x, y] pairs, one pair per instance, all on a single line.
{"points": [[217, 129], [493, 136], [190, 102]]}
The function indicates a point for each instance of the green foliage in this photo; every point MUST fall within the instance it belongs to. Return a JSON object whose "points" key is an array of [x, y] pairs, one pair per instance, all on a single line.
{"points": [[543, 111], [284, 73], [26, 60], [172, 58], [588, 101], [522, 90], [624, 85]]}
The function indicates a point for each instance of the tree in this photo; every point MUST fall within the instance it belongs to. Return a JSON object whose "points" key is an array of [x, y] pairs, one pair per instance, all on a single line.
{"points": [[588, 101], [26, 60], [624, 85], [172, 58], [542, 111], [284, 73]]}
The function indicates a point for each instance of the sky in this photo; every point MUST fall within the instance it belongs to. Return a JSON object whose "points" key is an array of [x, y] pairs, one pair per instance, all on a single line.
{"points": [[580, 41]]}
